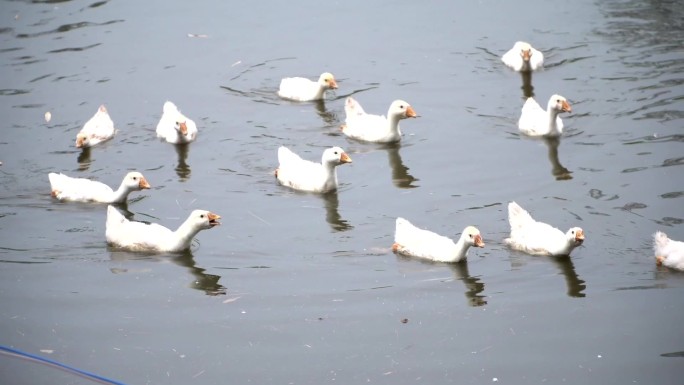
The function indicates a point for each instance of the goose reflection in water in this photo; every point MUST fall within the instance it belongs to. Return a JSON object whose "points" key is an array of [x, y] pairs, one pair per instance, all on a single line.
{"points": [[332, 215], [209, 283], [182, 169], [575, 285], [330, 118], [400, 175], [472, 284], [527, 88], [557, 169], [83, 159]]}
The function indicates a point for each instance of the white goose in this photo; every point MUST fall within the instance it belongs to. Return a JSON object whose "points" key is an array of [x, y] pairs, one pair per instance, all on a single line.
{"points": [[303, 90], [175, 127], [138, 236], [668, 252], [415, 242], [539, 238], [522, 57], [535, 121], [305, 175], [66, 188], [96, 130], [375, 128]]}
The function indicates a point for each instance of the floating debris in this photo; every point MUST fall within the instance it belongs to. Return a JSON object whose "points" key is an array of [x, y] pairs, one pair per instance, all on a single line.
{"points": [[203, 36], [48, 116]]}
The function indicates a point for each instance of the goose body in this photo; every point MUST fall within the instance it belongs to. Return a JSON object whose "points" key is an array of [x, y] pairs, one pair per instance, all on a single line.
{"points": [[96, 130], [375, 128], [535, 121], [138, 236], [523, 57], [538, 238], [413, 241], [66, 188], [668, 252], [175, 127], [305, 175], [303, 89]]}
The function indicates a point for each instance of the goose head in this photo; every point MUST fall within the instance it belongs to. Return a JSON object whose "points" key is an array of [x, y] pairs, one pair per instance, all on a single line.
{"points": [[203, 219], [82, 140], [181, 125], [525, 51], [575, 236], [135, 181], [559, 104], [335, 156], [473, 237], [401, 109], [327, 80]]}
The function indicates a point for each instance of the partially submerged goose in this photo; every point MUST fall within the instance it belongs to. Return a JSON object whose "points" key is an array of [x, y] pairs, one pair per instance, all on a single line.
{"points": [[412, 241], [375, 128], [66, 188], [539, 238], [138, 236], [305, 175]]}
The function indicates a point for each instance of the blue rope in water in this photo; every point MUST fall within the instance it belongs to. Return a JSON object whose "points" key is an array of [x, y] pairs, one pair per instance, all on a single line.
{"points": [[34, 358]]}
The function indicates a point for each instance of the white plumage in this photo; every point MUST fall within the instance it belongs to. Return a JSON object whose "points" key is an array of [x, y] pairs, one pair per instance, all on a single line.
{"points": [[66, 188], [302, 89], [412, 241], [305, 175], [523, 57], [138, 236], [668, 252], [539, 238], [175, 127], [96, 130], [375, 128], [535, 121]]}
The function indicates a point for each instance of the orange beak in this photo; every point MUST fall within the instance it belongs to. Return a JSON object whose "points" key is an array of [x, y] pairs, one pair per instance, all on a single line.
{"points": [[143, 183], [344, 158], [332, 84], [565, 106], [478, 241], [579, 236], [659, 260], [410, 113], [183, 128], [213, 219], [526, 55]]}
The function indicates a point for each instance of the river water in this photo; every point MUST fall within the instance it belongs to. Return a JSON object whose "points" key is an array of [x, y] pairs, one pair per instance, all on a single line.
{"points": [[298, 288]]}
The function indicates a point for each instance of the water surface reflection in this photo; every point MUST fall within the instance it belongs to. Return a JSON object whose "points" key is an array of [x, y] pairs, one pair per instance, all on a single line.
{"points": [[208, 283], [472, 284], [575, 285], [400, 172], [83, 159], [332, 214], [557, 169], [182, 169]]}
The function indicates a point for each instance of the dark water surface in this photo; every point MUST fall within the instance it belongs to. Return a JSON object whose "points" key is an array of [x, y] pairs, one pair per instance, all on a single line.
{"points": [[302, 289]]}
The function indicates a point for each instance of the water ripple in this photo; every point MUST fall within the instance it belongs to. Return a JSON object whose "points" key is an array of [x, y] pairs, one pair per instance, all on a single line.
{"points": [[66, 28]]}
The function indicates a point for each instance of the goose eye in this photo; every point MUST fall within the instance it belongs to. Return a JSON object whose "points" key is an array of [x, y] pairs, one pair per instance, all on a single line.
{"points": [[470, 235], [573, 231], [401, 106], [202, 216], [135, 178]]}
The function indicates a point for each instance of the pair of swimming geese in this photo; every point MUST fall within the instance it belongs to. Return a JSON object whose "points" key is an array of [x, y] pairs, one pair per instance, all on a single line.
{"points": [[527, 234]]}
